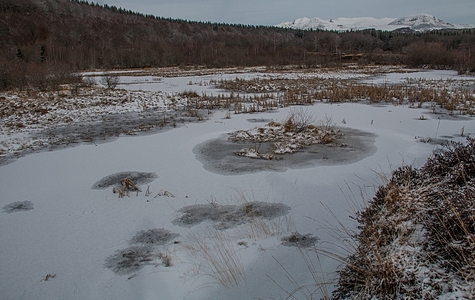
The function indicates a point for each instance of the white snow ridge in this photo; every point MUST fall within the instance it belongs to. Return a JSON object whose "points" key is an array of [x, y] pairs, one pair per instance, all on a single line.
{"points": [[420, 22]]}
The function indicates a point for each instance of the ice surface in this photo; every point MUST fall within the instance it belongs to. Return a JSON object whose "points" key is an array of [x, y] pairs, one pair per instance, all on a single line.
{"points": [[81, 234]]}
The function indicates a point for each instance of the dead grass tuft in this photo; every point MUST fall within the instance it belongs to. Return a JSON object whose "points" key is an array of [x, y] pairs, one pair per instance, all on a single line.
{"points": [[216, 256]]}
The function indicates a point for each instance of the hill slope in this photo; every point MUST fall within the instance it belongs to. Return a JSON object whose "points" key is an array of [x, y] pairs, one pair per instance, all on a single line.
{"points": [[422, 22]]}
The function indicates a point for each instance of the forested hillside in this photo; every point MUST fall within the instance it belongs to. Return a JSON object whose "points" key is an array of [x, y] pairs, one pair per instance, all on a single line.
{"points": [[58, 36]]}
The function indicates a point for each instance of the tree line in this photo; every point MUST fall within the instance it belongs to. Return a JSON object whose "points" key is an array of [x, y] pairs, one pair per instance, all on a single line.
{"points": [[50, 39]]}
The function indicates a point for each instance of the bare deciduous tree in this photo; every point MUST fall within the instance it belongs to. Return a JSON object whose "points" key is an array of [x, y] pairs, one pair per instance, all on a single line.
{"points": [[300, 118], [110, 81]]}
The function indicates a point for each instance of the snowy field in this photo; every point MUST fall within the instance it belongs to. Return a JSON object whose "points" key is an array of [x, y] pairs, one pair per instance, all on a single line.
{"points": [[65, 234]]}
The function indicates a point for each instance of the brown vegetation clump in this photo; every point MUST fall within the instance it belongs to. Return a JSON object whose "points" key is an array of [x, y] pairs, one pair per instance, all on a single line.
{"points": [[126, 185], [296, 132], [416, 238], [454, 97]]}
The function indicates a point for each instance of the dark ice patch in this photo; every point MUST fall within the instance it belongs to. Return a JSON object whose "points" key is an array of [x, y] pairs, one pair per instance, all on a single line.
{"points": [[18, 206], [259, 120], [298, 240], [131, 259], [156, 236], [434, 141], [114, 179], [228, 216], [142, 252]]}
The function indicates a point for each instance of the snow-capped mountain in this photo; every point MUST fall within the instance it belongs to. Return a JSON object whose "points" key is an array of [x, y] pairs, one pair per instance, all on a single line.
{"points": [[421, 22]]}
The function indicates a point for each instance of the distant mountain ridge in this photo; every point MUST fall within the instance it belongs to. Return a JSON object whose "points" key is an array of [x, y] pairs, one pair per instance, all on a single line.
{"points": [[420, 22]]}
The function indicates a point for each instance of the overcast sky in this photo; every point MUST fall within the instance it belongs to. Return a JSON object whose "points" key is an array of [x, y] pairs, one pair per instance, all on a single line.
{"points": [[272, 12]]}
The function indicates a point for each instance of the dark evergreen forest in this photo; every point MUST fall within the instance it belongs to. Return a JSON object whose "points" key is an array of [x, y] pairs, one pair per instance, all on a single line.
{"points": [[53, 38]]}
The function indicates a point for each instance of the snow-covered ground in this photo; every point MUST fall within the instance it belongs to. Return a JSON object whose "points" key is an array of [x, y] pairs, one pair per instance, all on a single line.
{"points": [[63, 248], [429, 75]]}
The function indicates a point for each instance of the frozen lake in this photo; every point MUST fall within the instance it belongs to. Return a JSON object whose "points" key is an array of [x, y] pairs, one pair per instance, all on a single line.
{"points": [[59, 249]]}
